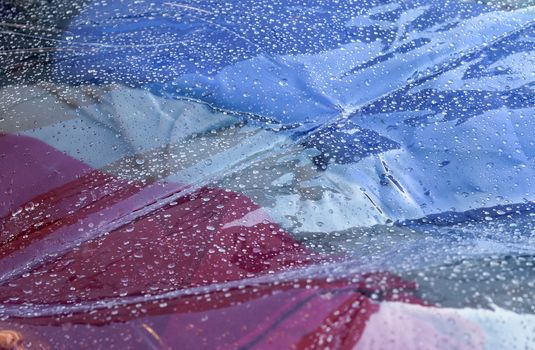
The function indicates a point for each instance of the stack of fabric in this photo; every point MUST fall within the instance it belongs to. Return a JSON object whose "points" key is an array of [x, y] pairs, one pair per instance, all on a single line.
{"points": [[259, 174]]}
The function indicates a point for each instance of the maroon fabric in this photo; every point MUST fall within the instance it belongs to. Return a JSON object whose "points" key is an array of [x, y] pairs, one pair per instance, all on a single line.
{"points": [[81, 274]]}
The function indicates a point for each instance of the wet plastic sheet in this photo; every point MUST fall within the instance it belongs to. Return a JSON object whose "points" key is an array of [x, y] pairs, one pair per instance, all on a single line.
{"points": [[257, 174]]}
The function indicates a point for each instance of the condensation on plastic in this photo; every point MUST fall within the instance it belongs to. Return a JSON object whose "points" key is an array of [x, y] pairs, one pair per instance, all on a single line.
{"points": [[268, 174]]}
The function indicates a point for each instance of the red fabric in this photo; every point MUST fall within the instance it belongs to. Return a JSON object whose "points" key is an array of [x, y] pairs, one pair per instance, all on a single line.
{"points": [[205, 238]]}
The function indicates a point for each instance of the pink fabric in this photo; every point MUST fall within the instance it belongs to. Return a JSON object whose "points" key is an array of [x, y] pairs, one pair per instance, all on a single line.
{"points": [[30, 167], [404, 326]]}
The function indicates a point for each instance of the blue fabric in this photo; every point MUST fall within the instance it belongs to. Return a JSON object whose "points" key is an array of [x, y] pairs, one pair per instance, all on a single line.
{"points": [[233, 54], [316, 64]]}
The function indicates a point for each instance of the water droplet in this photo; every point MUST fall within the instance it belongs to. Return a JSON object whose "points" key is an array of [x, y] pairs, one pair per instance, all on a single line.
{"points": [[29, 207]]}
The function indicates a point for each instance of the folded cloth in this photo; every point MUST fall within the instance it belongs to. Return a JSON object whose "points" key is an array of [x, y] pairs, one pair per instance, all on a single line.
{"points": [[84, 246], [403, 105]]}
